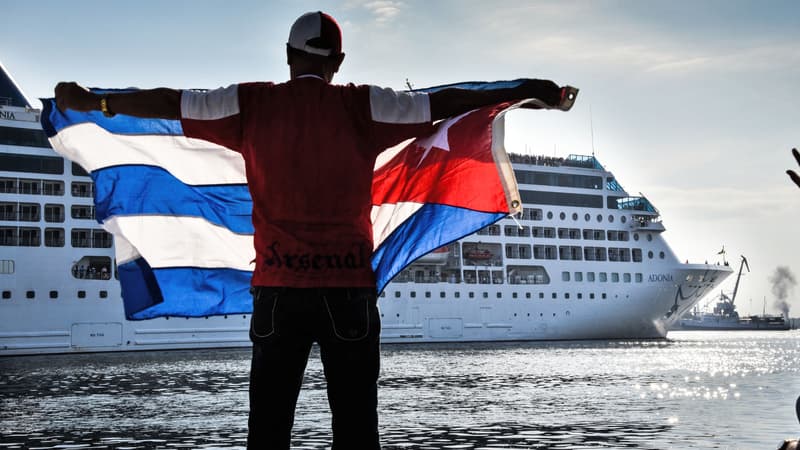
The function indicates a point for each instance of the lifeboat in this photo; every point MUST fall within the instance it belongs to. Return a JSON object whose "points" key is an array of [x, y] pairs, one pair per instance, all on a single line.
{"points": [[438, 256], [478, 254]]}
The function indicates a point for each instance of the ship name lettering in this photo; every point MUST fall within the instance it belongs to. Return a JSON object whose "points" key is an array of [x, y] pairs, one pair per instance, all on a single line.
{"points": [[7, 115], [659, 277]]}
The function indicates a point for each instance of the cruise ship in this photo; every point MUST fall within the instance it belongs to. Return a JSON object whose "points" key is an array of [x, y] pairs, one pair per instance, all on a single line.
{"points": [[583, 260]]}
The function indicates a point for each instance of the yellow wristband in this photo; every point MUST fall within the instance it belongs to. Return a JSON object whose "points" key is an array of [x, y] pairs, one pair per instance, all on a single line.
{"points": [[104, 106]]}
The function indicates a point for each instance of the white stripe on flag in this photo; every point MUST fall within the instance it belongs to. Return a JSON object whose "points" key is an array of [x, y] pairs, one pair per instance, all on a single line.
{"points": [[193, 161], [182, 241], [387, 217]]}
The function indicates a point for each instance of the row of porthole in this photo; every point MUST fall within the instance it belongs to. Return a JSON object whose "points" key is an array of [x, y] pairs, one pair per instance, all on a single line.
{"points": [[30, 295], [554, 295], [587, 217]]}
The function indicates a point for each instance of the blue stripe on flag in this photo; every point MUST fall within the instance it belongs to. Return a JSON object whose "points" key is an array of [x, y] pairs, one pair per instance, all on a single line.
{"points": [[53, 121], [431, 227], [475, 85], [183, 291], [138, 189]]}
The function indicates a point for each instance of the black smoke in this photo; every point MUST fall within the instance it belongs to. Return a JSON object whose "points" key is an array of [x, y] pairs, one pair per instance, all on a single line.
{"points": [[783, 281]]}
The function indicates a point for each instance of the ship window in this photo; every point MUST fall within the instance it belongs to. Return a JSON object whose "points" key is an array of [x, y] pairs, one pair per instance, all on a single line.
{"points": [[81, 294], [470, 277], [598, 235], [562, 216], [564, 276], [599, 218], [483, 277], [603, 277], [92, 268], [427, 294], [82, 212], [8, 211], [82, 189], [8, 185], [635, 236], [29, 237], [626, 277], [549, 232], [566, 295], [8, 236], [574, 216], [554, 295], [549, 214], [527, 295], [396, 294], [650, 254], [603, 296], [591, 296], [52, 187], [54, 237], [637, 254], [471, 295], [638, 277], [491, 230], [590, 276], [614, 277], [81, 237], [485, 295], [558, 179], [541, 294], [649, 237], [6, 295], [578, 276], [6, 266], [29, 212], [513, 295], [53, 213], [104, 294], [30, 294], [413, 294], [441, 294], [457, 294], [623, 219], [610, 218], [53, 294], [535, 213], [561, 199], [661, 255], [28, 163], [30, 187], [587, 217]]}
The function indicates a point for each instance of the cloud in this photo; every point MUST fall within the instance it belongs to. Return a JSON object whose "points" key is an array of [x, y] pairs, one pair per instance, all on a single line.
{"points": [[383, 11]]}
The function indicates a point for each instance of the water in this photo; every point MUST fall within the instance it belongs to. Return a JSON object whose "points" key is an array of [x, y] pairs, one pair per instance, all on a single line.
{"points": [[727, 390]]}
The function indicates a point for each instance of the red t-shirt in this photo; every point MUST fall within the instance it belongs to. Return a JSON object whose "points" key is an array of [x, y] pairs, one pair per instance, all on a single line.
{"points": [[309, 149]]}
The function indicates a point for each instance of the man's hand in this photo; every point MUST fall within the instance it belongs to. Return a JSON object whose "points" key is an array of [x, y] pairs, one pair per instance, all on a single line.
{"points": [[796, 178], [71, 95], [545, 90]]}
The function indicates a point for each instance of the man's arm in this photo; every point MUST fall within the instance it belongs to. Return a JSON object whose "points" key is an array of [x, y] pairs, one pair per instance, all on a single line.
{"points": [[160, 103], [452, 102]]}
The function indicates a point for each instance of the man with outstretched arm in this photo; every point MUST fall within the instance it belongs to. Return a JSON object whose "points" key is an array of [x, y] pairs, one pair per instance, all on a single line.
{"points": [[309, 148]]}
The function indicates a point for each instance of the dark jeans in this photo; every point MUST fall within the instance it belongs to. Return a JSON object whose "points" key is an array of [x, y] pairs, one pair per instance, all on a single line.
{"points": [[346, 325]]}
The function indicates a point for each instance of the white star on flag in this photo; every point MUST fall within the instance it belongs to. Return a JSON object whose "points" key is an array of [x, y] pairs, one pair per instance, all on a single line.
{"points": [[439, 139]]}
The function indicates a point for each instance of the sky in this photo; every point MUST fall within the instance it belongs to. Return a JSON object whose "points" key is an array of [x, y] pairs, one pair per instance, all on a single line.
{"points": [[695, 104]]}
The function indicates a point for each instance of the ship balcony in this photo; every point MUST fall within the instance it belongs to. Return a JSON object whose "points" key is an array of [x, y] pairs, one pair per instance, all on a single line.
{"points": [[641, 222]]}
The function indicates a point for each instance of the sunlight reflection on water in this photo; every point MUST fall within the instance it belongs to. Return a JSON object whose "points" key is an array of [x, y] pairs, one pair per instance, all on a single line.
{"points": [[696, 390]]}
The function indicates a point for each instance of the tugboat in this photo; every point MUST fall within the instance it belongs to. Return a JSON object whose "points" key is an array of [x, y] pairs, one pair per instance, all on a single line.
{"points": [[725, 316]]}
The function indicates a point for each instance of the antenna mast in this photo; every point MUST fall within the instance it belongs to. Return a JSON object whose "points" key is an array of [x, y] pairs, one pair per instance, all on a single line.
{"points": [[591, 127]]}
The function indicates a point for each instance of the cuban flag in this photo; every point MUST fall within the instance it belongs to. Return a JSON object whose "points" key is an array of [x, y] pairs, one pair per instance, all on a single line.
{"points": [[180, 211]]}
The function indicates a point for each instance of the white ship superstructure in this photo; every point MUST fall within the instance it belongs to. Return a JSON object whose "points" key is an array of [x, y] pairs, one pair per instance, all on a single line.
{"points": [[584, 260]]}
